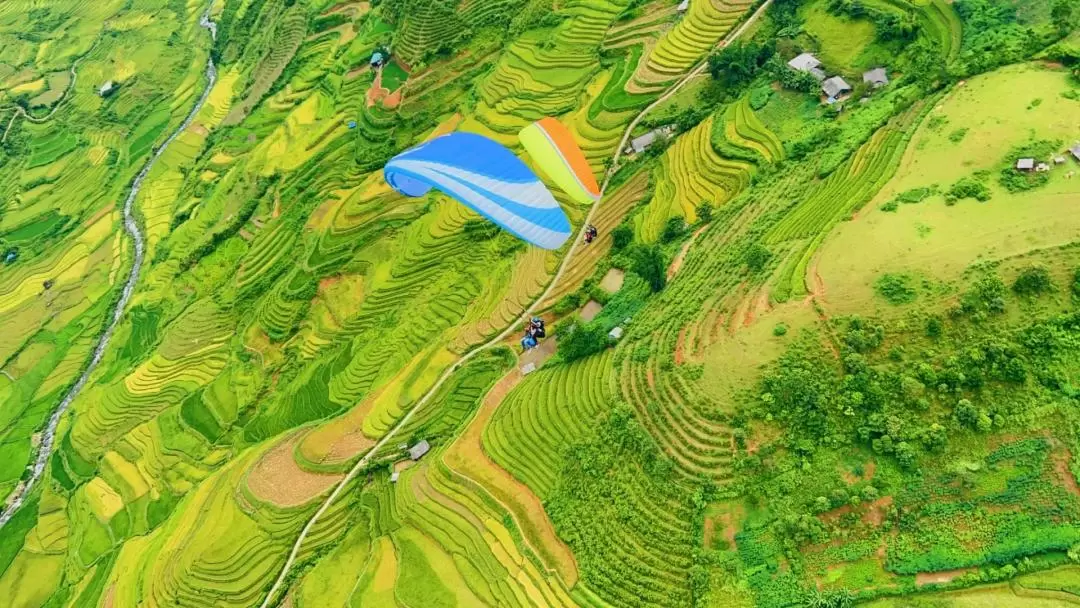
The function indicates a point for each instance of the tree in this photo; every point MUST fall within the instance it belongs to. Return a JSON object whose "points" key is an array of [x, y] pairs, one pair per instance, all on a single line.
{"points": [[1032, 281], [704, 212], [648, 263], [737, 64], [621, 236], [1062, 15], [757, 256], [673, 229]]}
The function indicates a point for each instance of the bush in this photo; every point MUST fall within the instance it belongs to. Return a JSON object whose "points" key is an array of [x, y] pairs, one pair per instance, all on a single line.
{"points": [[895, 288], [567, 303], [582, 340], [648, 263], [1032, 282], [958, 135], [621, 236], [780, 329], [759, 97], [704, 212], [756, 257], [673, 229], [968, 187]]}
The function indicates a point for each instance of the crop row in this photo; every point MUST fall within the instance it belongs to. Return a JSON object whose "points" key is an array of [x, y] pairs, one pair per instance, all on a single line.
{"points": [[691, 173], [613, 208], [548, 411], [704, 25]]}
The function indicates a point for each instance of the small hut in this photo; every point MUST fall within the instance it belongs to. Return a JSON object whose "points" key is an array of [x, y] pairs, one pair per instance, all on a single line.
{"points": [[1025, 164], [418, 450]]}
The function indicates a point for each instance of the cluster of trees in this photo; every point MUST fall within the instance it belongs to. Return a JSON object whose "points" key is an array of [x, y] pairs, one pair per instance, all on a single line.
{"points": [[883, 400], [893, 24]]}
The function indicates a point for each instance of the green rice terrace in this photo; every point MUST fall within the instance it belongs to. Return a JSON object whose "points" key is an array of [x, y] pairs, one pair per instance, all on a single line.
{"points": [[823, 351]]}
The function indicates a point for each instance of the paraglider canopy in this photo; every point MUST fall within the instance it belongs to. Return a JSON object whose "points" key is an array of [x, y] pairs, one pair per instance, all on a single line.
{"points": [[554, 149], [486, 177]]}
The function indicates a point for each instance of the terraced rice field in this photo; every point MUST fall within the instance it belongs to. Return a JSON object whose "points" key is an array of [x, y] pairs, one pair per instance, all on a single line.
{"points": [[299, 325]]}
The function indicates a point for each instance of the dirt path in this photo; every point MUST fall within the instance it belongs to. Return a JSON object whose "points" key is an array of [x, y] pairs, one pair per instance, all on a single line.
{"points": [[942, 577], [19, 111], [363, 462]]}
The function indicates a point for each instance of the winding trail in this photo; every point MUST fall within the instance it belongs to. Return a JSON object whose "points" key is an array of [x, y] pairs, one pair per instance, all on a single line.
{"points": [[697, 71], [131, 226], [20, 111]]}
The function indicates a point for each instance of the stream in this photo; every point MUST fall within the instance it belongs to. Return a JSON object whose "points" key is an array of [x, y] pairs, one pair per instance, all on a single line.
{"points": [[131, 226]]}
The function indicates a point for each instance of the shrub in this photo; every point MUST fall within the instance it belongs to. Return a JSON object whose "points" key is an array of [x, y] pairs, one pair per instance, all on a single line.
{"points": [[567, 303], [704, 212], [780, 329], [582, 340], [1032, 282], [757, 256], [673, 229], [759, 97], [895, 288], [621, 236], [890, 206], [958, 135], [968, 187], [648, 263], [934, 327], [1076, 283]]}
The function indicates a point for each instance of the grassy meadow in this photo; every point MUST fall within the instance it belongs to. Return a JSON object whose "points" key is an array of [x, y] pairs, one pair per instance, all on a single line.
{"points": [[843, 379]]}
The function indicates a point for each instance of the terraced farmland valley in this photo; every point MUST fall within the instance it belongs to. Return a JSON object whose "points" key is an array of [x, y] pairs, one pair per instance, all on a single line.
{"points": [[815, 344]]}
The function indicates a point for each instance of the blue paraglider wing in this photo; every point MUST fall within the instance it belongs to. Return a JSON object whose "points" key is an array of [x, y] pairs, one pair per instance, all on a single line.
{"points": [[485, 176]]}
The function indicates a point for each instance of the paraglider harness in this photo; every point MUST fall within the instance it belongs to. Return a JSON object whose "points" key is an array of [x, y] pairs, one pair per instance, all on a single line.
{"points": [[590, 233], [533, 333]]}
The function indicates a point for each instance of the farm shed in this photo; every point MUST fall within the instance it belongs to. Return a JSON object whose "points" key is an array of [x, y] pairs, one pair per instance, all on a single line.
{"points": [[1075, 151], [418, 450], [1025, 164], [806, 62], [641, 143], [107, 88], [835, 87], [877, 77], [683, 6]]}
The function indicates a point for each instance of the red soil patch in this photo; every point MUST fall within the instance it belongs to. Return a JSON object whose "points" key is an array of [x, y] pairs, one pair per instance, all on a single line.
{"points": [[590, 310], [377, 92], [677, 263], [679, 343], [1061, 467], [649, 377], [945, 576], [110, 595], [393, 100], [760, 307], [875, 515], [868, 473]]}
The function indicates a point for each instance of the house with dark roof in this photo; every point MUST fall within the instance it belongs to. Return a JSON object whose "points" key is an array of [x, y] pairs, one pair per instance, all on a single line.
{"points": [[835, 87], [877, 77]]}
